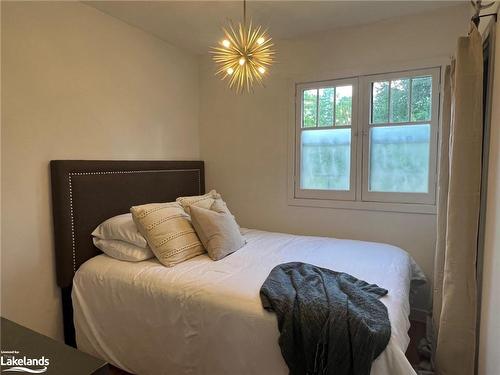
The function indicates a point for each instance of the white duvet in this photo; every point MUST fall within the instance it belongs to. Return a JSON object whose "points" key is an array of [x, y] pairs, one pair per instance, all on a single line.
{"points": [[205, 317]]}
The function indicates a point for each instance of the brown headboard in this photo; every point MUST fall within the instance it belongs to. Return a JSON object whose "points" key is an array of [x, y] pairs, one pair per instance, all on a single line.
{"points": [[87, 192]]}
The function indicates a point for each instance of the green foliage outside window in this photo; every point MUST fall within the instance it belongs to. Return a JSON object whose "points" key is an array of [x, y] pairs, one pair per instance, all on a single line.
{"points": [[380, 102], [399, 95], [421, 99], [309, 108], [343, 106], [325, 110], [330, 106]]}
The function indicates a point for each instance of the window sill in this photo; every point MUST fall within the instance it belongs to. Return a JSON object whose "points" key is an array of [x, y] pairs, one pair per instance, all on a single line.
{"points": [[427, 209]]}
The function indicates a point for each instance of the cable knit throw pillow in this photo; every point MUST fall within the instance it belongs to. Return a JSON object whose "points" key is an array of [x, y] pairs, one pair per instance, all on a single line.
{"points": [[168, 231], [212, 201], [204, 201]]}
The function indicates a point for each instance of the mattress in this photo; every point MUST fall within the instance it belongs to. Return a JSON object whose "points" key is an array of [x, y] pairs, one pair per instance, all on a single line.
{"points": [[205, 317]]}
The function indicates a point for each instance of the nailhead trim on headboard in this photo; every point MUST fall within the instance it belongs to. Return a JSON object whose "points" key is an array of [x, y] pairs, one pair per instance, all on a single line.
{"points": [[71, 174]]}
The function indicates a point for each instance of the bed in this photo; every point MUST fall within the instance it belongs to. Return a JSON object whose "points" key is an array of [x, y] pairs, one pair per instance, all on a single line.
{"points": [[201, 316]]}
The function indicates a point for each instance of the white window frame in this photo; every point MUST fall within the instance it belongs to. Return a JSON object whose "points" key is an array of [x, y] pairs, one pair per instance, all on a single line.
{"points": [[329, 199], [326, 194], [399, 197]]}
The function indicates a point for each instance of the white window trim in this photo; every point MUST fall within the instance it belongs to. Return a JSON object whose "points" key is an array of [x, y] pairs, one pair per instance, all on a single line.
{"points": [[326, 194], [293, 200]]}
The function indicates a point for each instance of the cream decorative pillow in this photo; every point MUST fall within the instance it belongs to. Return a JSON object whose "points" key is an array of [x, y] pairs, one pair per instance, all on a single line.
{"points": [[168, 232], [204, 201], [219, 232]]}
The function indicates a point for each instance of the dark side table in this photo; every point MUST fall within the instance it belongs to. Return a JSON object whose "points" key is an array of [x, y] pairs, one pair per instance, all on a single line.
{"points": [[23, 348]]}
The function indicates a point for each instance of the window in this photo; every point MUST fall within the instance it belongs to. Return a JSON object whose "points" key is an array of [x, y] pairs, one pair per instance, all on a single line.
{"points": [[387, 155], [326, 115]]}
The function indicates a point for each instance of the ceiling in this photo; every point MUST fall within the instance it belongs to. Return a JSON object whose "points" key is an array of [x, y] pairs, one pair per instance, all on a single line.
{"points": [[195, 25]]}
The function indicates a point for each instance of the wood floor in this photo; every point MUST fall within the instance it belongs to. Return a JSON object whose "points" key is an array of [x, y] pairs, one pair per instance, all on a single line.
{"points": [[417, 331]]}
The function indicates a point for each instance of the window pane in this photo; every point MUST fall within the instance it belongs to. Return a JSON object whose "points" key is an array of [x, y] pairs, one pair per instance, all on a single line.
{"points": [[326, 159], [309, 108], [326, 106], [400, 90], [421, 98], [380, 102], [399, 158], [343, 105]]}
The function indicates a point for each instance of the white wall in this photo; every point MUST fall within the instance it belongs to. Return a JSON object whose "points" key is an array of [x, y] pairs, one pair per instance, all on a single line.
{"points": [[489, 359], [77, 84], [244, 137]]}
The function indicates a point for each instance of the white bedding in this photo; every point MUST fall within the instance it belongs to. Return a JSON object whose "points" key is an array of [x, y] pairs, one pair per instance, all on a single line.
{"points": [[205, 317]]}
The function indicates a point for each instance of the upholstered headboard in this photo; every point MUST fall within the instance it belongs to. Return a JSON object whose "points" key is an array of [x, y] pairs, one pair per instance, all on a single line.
{"points": [[87, 192]]}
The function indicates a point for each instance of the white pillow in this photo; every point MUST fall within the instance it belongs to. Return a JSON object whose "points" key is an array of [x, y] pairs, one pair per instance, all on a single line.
{"points": [[123, 250], [121, 228]]}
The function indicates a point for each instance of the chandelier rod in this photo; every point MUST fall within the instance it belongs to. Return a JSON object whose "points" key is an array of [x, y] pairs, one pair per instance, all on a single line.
{"points": [[244, 12]]}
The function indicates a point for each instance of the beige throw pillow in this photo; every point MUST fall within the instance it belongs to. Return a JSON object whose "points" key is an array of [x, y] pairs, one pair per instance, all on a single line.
{"points": [[218, 232], [168, 232]]}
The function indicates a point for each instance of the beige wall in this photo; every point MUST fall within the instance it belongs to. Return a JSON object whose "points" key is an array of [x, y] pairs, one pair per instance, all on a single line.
{"points": [[77, 84], [489, 359], [244, 137]]}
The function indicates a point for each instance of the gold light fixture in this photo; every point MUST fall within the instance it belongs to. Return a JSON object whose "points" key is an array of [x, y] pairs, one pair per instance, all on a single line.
{"points": [[244, 55]]}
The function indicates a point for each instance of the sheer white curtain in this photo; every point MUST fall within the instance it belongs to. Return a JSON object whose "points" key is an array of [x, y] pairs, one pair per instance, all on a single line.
{"points": [[454, 297]]}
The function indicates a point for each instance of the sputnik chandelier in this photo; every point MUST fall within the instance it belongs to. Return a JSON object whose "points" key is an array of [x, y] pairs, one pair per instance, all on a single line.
{"points": [[244, 55]]}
